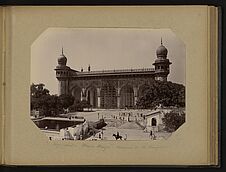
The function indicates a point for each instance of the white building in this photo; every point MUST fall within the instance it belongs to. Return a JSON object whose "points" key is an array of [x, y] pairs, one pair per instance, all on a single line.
{"points": [[153, 119]]}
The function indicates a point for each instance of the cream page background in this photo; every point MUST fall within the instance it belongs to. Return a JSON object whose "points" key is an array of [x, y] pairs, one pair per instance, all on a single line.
{"points": [[1, 81], [25, 144]]}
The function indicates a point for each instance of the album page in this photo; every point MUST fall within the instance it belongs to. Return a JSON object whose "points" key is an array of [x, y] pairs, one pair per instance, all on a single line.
{"points": [[137, 77]]}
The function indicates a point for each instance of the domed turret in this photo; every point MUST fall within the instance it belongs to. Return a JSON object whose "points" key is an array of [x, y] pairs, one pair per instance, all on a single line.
{"points": [[62, 60], [161, 63], [161, 51], [63, 73]]}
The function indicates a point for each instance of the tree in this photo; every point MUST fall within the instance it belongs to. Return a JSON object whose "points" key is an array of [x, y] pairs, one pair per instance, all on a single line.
{"points": [[173, 120], [41, 100], [76, 107], [85, 104], [37, 93], [162, 92], [38, 90], [49, 105], [66, 100], [79, 106]]}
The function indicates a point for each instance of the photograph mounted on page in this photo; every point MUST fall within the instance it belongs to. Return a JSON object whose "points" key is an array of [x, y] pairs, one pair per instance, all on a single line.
{"points": [[107, 84]]}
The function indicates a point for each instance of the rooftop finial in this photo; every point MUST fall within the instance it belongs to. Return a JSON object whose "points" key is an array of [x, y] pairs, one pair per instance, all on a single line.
{"points": [[161, 40], [89, 68]]}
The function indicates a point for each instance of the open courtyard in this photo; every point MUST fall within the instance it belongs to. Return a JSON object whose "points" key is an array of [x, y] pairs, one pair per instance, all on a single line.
{"points": [[129, 124]]}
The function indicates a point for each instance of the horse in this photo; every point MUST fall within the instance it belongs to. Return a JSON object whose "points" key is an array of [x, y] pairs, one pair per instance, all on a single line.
{"points": [[117, 136]]}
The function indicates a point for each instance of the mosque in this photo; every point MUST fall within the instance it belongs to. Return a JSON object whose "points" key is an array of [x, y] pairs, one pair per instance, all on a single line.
{"points": [[111, 89]]}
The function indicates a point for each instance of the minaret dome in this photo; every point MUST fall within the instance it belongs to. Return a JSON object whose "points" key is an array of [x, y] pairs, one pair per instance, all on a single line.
{"points": [[161, 51], [62, 60]]}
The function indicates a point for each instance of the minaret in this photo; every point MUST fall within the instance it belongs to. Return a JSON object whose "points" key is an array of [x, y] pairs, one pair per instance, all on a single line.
{"points": [[161, 63], [62, 74]]}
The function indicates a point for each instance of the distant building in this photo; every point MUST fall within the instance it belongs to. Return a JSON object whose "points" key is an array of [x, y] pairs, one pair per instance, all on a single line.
{"points": [[110, 89], [153, 120]]}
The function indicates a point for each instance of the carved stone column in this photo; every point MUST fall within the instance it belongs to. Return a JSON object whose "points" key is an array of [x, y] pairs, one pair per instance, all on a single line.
{"points": [[83, 94], [118, 98], [98, 97], [67, 87], [135, 90]]}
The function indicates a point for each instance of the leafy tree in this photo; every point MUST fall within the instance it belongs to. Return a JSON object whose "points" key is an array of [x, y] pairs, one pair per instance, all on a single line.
{"points": [[38, 90], [79, 106], [85, 104], [46, 104], [49, 105], [66, 100], [165, 93], [173, 120], [76, 107]]}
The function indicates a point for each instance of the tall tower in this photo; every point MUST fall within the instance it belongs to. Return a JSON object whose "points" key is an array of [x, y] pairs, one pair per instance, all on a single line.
{"points": [[62, 74], [161, 63]]}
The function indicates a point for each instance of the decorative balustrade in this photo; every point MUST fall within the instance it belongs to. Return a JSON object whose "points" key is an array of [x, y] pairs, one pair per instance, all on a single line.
{"points": [[117, 71]]}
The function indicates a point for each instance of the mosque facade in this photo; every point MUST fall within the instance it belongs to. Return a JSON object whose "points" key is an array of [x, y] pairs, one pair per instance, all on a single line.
{"points": [[111, 89]]}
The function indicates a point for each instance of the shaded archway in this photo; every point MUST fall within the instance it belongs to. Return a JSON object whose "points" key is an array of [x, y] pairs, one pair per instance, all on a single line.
{"points": [[108, 96], [127, 97], [92, 96], [153, 122], [76, 92]]}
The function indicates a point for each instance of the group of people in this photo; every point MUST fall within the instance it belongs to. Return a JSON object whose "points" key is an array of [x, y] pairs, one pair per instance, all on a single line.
{"points": [[123, 116]]}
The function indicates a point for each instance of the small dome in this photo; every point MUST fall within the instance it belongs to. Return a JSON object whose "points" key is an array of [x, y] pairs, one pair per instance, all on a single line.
{"points": [[62, 60], [161, 51]]}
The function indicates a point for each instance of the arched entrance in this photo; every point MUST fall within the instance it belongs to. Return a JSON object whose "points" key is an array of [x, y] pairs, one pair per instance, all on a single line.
{"points": [[127, 97], [76, 92], [108, 96], [92, 96], [153, 122]]}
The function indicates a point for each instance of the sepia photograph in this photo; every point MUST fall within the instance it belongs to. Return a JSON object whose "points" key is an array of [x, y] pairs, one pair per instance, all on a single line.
{"points": [[116, 85], [104, 84]]}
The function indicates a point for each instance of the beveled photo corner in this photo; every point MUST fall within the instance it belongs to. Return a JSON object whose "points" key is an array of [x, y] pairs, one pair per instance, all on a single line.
{"points": [[114, 84]]}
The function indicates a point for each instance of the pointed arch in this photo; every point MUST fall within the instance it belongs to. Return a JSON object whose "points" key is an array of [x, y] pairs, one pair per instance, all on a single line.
{"points": [[91, 93], [127, 96], [76, 91], [108, 95], [153, 122]]}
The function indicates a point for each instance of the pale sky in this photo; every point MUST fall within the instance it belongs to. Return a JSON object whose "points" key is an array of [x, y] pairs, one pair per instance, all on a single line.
{"points": [[103, 48]]}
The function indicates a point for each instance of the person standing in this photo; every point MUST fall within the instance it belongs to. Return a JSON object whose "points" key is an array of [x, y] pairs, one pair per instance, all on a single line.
{"points": [[151, 134], [102, 134]]}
